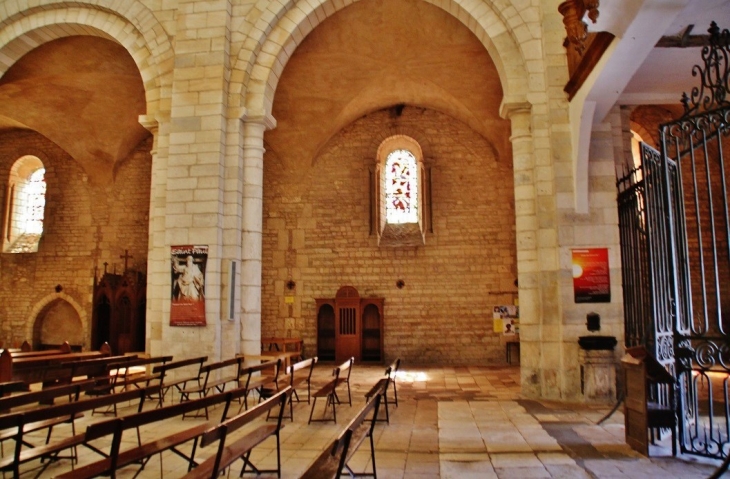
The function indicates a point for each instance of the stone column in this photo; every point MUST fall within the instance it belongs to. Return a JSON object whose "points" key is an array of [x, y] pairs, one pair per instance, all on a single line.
{"points": [[527, 244], [252, 230]]}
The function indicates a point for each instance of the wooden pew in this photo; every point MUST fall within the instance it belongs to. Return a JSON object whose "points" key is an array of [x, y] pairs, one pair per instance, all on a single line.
{"points": [[229, 370], [36, 368], [65, 348], [140, 455], [50, 451], [332, 463], [71, 392], [11, 387], [241, 448], [384, 383], [293, 380], [130, 372], [257, 377], [340, 375], [190, 367]]}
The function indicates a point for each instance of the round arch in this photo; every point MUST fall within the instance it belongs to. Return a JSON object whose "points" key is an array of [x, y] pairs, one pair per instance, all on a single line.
{"points": [[257, 70], [134, 27]]}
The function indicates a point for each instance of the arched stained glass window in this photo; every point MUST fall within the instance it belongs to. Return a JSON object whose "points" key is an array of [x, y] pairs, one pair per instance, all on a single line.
{"points": [[399, 193], [401, 187], [25, 206]]}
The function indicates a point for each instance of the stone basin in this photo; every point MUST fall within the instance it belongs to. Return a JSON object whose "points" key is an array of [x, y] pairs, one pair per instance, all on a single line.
{"points": [[594, 343]]}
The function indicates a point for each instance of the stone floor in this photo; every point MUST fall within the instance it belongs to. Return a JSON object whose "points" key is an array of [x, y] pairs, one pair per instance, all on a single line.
{"points": [[465, 422]]}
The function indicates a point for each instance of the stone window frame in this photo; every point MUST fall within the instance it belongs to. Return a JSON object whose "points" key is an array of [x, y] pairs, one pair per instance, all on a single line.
{"points": [[407, 234], [21, 171]]}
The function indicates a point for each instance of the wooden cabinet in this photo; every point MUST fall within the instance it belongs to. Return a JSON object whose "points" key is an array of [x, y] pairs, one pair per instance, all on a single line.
{"points": [[350, 326], [119, 310]]}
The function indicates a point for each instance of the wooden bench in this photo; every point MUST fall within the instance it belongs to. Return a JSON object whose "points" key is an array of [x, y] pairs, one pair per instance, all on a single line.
{"points": [[31, 399], [333, 462], [118, 375], [134, 372], [298, 380], [394, 367], [257, 377], [241, 448], [141, 454], [228, 370], [37, 369], [179, 383], [381, 387], [294, 380], [50, 451], [340, 375], [26, 352], [10, 387]]}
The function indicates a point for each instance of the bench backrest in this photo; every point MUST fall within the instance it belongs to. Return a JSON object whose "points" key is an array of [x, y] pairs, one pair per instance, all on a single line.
{"points": [[346, 443], [72, 391], [73, 408], [12, 387], [249, 372], [307, 363], [95, 367], [125, 365], [27, 352], [117, 426], [222, 430], [394, 366], [33, 368], [226, 363], [343, 370], [163, 369]]}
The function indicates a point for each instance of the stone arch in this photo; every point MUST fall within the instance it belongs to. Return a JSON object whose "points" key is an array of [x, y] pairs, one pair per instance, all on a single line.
{"points": [[262, 60], [57, 301], [133, 26]]}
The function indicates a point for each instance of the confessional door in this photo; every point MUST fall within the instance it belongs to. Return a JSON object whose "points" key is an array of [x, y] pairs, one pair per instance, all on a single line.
{"points": [[349, 326]]}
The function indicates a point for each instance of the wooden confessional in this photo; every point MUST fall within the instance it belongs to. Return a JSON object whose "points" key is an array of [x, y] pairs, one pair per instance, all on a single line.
{"points": [[119, 311], [349, 326]]}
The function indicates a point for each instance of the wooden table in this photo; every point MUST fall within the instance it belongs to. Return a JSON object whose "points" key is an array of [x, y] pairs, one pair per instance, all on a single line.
{"points": [[285, 356], [281, 344]]}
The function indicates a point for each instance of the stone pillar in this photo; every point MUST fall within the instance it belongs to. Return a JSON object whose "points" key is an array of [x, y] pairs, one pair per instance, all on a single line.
{"points": [[528, 267], [252, 230], [598, 375]]}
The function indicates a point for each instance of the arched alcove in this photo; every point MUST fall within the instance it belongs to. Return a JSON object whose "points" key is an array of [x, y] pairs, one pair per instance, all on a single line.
{"points": [[57, 322]]}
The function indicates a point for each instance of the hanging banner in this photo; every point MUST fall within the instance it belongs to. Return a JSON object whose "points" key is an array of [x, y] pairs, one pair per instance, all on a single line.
{"points": [[188, 285], [591, 280]]}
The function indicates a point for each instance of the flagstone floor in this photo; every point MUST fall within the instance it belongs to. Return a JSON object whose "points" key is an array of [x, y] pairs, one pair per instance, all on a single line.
{"points": [[463, 422]]}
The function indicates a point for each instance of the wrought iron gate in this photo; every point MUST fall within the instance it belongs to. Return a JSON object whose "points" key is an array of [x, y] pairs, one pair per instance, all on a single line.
{"points": [[674, 219]]}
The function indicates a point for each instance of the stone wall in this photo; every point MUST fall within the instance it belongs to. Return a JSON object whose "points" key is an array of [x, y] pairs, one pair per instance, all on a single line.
{"points": [[85, 225], [317, 232]]}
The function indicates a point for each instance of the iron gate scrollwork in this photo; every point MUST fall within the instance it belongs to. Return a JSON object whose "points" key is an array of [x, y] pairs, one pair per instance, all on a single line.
{"points": [[674, 212]]}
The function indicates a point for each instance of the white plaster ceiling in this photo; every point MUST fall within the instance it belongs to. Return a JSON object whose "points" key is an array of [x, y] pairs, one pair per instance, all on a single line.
{"points": [[638, 72]]}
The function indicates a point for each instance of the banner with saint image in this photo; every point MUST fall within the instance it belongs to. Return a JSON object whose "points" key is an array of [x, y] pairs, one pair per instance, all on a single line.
{"points": [[188, 285]]}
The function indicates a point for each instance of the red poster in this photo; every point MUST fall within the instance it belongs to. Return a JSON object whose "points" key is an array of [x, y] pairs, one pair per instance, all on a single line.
{"points": [[591, 280], [188, 285]]}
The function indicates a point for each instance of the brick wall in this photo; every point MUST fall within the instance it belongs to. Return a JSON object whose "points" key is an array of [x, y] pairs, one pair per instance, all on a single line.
{"points": [[85, 225], [317, 232]]}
